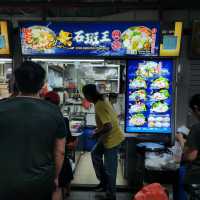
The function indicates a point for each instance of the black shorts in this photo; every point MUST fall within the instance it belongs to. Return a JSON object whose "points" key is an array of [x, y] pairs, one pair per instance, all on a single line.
{"points": [[66, 174]]}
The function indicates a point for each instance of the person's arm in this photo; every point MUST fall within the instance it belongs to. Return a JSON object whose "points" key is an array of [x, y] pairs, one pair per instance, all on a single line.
{"points": [[59, 153], [190, 154], [180, 139], [107, 127], [59, 146], [192, 145]]}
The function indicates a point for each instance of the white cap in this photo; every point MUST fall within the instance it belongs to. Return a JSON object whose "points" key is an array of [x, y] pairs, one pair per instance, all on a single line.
{"points": [[184, 130]]}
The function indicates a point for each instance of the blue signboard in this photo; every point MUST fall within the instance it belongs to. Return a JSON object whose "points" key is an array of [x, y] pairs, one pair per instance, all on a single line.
{"points": [[89, 39], [149, 103]]}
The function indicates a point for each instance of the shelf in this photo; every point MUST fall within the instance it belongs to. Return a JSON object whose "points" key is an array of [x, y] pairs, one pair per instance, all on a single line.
{"points": [[106, 93], [105, 66], [77, 134], [71, 103], [106, 79], [56, 68], [58, 89]]}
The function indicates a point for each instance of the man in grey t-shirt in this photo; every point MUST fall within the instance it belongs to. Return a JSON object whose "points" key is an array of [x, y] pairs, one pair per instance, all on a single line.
{"points": [[32, 140]]}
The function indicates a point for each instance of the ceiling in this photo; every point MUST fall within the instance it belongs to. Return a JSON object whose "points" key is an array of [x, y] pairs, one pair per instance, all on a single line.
{"points": [[86, 8]]}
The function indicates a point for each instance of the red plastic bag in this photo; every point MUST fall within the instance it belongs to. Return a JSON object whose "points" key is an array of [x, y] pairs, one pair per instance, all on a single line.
{"points": [[152, 192]]}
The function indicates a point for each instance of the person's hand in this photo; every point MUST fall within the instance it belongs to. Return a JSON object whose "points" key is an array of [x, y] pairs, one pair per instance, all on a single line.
{"points": [[72, 145], [56, 184], [179, 137], [57, 194], [94, 135]]}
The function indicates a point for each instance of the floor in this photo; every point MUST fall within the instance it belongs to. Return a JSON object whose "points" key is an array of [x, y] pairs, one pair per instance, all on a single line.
{"points": [[84, 173], [81, 195]]}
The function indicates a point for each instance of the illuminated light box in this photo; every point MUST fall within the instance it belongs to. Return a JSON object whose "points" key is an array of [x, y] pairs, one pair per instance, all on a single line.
{"points": [[108, 39]]}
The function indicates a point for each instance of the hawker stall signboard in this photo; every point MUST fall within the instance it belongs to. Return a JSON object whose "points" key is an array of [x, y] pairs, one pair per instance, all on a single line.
{"points": [[149, 96], [4, 39], [89, 39]]}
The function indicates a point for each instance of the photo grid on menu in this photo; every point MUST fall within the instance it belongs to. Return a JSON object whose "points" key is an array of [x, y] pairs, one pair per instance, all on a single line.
{"points": [[149, 96]]}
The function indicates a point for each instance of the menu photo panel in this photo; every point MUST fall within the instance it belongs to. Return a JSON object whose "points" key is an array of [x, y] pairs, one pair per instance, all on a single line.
{"points": [[149, 96]]}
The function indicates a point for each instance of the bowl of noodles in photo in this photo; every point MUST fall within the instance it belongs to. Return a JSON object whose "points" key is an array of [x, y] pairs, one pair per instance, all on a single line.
{"points": [[137, 38], [39, 38]]}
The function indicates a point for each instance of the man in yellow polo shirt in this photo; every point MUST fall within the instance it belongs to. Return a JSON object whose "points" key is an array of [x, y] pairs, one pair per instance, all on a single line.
{"points": [[109, 136]]}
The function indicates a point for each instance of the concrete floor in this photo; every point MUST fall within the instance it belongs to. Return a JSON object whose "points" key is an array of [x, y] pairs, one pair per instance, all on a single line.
{"points": [[86, 195], [84, 173]]}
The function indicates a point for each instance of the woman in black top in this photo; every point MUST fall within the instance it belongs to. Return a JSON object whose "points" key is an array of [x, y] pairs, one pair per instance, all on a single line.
{"points": [[66, 174]]}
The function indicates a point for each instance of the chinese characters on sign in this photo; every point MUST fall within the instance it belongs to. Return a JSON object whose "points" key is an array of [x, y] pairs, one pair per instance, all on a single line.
{"points": [[89, 39], [92, 39]]}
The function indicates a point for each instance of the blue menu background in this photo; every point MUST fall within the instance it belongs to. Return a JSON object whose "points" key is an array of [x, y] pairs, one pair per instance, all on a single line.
{"points": [[131, 74], [91, 28]]}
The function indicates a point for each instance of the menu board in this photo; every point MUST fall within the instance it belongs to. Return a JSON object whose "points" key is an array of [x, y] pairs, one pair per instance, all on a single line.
{"points": [[89, 39], [4, 39], [149, 96]]}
